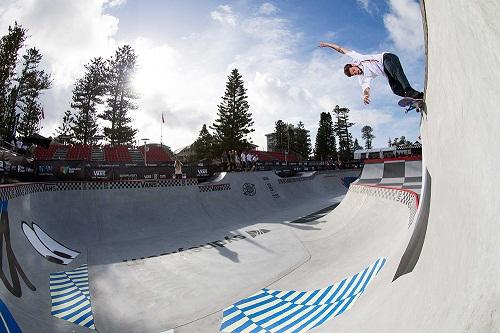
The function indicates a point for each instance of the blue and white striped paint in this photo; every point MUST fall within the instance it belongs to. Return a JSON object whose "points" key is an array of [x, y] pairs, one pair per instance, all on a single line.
{"points": [[293, 311], [70, 296]]}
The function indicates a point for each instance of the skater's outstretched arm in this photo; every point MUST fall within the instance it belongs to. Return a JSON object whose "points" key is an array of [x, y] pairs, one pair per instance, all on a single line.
{"points": [[336, 47]]}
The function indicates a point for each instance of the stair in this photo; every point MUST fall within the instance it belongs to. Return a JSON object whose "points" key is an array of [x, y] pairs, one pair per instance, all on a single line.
{"points": [[61, 153], [136, 156], [97, 154]]}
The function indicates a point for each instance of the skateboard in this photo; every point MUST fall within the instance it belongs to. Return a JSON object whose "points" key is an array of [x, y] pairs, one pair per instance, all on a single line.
{"points": [[412, 104]]}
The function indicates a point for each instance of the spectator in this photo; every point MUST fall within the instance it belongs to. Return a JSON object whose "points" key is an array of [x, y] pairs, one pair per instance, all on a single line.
{"points": [[232, 160], [178, 169], [255, 159], [243, 160], [249, 160], [225, 161], [237, 161]]}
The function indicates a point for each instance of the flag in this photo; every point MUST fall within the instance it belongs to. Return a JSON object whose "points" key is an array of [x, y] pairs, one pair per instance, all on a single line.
{"points": [[162, 119]]}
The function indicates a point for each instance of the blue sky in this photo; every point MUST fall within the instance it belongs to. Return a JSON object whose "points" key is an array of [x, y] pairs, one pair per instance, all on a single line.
{"points": [[187, 48]]}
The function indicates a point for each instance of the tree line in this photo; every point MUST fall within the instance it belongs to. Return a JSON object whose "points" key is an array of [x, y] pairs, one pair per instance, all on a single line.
{"points": [[103, 92], [234, 123], [21, 85], [107, 85]]}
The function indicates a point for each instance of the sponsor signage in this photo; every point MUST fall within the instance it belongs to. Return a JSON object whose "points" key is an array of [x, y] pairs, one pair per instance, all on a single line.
{"points": [[83, 170], [99, 174], [202, 173]]}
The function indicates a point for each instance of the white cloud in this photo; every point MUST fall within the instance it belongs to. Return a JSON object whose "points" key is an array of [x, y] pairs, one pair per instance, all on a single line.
{"points": [[224, 14], [267, 9], [404, 23], [369, 6], [113, 3]]}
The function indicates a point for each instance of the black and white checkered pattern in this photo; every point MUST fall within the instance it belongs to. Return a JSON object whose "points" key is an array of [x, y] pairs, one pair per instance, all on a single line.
{"points": [[394, 174], [214, 187], [12, 191]]}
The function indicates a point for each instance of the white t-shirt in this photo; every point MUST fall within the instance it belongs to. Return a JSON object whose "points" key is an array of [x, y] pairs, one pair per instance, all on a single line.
{"points": [[243, 157], [371, 64]]}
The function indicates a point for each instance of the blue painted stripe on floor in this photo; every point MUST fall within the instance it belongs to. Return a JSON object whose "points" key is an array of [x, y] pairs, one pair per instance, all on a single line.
{"points": [[72, 306], [331, 299], [232, 320], [66, 295], [66, 300], [7, 322], [299, 295], [287, 313], [327, 290], [229, 310], [76, 285], [78, 313], [251, 298], [266, 310], [311, 297], [304, 315], [288, 307]]}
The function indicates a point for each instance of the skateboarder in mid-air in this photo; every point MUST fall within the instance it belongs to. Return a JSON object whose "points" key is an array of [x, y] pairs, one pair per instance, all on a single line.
{"points": [[370, 66]]}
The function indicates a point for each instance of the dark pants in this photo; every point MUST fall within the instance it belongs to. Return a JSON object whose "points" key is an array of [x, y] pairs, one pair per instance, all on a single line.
{"points": [[397, 78]]}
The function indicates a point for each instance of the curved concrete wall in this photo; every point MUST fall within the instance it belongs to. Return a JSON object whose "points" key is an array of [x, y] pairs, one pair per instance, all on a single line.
{"points": [[459, 263], [454, 286]]}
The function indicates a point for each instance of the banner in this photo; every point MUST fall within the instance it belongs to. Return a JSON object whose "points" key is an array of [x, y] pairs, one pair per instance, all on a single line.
{"points": [[80, 170]]}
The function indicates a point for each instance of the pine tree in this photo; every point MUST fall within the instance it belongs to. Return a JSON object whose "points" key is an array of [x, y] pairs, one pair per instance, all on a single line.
{"points": [[29, 122], [87, 96], [351, 143], [356, 145], [290, 137], [204, 146], [30, 84], [234, 120], [280, 133], [64, 131], [302, 144], [121, 96], [403, 142], [10, 45], [326, 146], [367, 135], [341, 128]]}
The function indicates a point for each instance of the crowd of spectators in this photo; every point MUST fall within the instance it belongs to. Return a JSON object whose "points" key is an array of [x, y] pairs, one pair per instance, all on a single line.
{"points": [[233, 161]]}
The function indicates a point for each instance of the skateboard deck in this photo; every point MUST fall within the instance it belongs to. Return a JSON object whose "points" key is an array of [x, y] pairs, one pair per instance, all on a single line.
{"points": [[412, 103]]}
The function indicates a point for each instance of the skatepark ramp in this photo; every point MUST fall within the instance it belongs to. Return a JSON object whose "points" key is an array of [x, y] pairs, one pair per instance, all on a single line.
{"points": [[253, 252]]}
